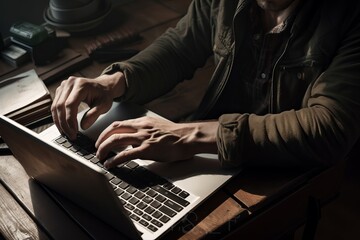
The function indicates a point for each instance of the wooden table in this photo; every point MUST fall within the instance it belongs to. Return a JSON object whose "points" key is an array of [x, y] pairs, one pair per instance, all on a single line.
{"points": [[257, 204]]}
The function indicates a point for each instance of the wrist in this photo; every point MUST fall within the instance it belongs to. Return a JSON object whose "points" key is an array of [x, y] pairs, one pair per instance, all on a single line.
{"points": [[115, 83], [119, 85], [201, 137]]}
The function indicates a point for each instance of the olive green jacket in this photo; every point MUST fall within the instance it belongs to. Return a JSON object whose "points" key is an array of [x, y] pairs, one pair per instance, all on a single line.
{"points": [[314, 115]]}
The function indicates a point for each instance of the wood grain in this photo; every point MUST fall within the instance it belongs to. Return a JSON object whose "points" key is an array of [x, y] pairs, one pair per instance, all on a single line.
{"points": [[36, 202], [212, 219], [15, 223]]}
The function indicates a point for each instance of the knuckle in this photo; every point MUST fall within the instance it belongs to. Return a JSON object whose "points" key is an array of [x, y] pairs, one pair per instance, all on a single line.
{"points": [[65, 83], [71, 79], [144, 122], [116, 124], [71, 82], [58, 89], [57, 106], [53, 110], [113, 125], [69, 104]]}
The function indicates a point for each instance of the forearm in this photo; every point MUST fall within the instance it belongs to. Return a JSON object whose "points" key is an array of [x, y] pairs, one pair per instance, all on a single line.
{"points": [[308, 137], [170, 59]]}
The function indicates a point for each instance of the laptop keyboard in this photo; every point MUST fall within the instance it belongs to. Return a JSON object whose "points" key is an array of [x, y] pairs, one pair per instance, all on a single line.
{"points": [[148, 198]]}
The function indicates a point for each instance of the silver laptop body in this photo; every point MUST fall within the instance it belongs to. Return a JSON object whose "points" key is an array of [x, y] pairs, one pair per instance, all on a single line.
{"points": [[85, 183]]}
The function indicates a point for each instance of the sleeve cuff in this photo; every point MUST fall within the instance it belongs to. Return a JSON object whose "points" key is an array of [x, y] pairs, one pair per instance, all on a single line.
{"points": [[230, 139]]}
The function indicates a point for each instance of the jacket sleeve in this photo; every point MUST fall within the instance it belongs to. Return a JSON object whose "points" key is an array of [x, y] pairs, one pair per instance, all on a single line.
{"points": [[171, 58], [321, 133]]}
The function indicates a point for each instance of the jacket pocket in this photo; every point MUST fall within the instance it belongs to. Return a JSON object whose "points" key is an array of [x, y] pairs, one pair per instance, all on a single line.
{"points": [[292, 83]]}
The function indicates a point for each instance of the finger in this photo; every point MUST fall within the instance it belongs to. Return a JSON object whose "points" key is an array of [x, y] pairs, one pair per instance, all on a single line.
{"points": [[59, 104], [93, 114], [57, 108], [71, 105], [114, 128], [124, 156], [54, 111], [116, 141]]}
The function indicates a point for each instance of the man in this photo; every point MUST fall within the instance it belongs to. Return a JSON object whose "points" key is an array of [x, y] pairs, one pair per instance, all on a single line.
{"points": [[285, 91]]}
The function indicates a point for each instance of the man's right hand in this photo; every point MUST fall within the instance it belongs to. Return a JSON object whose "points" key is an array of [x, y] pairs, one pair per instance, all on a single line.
{"points": [[98, 93]]}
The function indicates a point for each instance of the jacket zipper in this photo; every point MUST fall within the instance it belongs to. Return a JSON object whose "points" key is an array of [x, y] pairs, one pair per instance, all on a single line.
{"points": [[271, 104]]}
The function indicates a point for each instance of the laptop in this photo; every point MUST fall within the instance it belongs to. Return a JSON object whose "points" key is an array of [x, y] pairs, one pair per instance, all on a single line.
{"points": [[142, 199]]}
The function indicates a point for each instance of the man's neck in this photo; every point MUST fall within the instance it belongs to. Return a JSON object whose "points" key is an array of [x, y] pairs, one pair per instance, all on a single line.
{"points": [[273, 18]]}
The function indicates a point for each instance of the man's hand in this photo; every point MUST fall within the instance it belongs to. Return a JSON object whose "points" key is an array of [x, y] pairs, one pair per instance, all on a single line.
{"points": [[156, 139], [97, 93]]}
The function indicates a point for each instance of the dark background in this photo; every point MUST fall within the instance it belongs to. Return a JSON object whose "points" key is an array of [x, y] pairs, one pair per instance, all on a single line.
{"points": [[20, 10], [12, 11]]}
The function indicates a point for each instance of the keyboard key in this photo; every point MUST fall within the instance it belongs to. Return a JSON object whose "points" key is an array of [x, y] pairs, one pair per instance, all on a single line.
{"points": [[134, 200], [144, 189], [184, 194], [119, 191], [147, 217], [141, 205], [160, 198], [138, 211], [139, 194], [152, 228], [126, 196], [156, 223], [164, 219], [149, 210], [94, 160], [155, 204], [82, 152], [131, 189], [60, 140], [151, 193], [132, 165], [170, 195], [74, 148], [123, 185], [143, 222], [157, 214], [167, 211], [147, 199], [66, 144], [135, 217], [89, 156], [173, 205], [168, 185], [115, 181], [129, 206], [176, 190], [109, 176]]}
